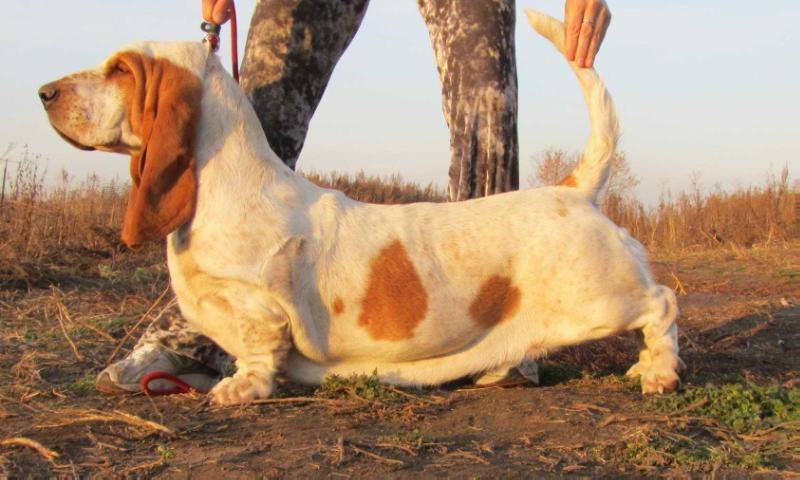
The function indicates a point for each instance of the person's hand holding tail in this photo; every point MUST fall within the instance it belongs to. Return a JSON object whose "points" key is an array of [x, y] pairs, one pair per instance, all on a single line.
{"points": [[586, 23]]}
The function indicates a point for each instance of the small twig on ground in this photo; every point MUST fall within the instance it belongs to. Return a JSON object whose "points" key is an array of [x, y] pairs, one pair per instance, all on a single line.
{"points": [[678, 284], [20, 403], [398, 447], [91, 327], [144, 466], [430, 399], [340, 450], [62, 313], [139, 322], [155, 407], [780, 426], [677, 415], [591, 408], [390, 461], [688, 408], [467, 455], [45, 452]]}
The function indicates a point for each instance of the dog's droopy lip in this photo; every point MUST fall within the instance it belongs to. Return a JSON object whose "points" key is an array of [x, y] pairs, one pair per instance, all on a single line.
{"points": [[72, 142]]}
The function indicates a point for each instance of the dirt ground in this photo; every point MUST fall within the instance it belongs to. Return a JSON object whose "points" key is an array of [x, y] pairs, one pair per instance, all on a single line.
{"points": [[61, 321]]}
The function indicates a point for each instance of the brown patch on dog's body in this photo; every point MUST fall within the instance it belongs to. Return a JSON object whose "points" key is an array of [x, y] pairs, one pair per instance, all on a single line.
{"points": [[395, 301], [568, 181], [338, 306], [497, 300]]}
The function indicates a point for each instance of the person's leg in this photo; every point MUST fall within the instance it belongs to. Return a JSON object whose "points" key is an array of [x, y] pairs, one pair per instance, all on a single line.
{"points": [[292, 49], [474, 46]]}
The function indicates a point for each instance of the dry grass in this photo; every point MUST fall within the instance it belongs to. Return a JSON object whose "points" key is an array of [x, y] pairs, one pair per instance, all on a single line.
{"points": [[374, 189], [45, 229], [747, 216], [36, 221]]}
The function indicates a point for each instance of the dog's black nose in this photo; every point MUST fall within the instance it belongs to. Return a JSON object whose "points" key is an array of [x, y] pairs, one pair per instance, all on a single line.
{"points": [[48, 94]]}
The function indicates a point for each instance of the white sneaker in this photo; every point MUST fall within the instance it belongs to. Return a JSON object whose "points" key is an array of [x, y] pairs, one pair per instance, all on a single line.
{"points": [[526, 371], [125, 375]]}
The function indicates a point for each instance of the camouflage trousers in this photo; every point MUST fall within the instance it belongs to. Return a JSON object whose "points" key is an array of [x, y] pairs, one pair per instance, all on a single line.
{"points": [[292, 49]]}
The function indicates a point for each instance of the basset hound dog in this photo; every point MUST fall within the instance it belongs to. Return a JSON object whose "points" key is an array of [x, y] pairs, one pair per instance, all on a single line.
{"points": [[289, 277]]}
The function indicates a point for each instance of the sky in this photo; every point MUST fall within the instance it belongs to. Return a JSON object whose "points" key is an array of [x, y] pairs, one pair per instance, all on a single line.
{"points": [[707, 89]]}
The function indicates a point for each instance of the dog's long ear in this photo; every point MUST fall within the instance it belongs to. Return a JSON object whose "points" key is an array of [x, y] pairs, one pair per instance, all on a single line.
{"points": [[164, 111]]}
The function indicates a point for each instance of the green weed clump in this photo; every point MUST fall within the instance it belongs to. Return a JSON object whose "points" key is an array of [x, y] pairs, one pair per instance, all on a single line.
{"points": [[80, 386], [741, 407], [365, 387], [734, 425]]}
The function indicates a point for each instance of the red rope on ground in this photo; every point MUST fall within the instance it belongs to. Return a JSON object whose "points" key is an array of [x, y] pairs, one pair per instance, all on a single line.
{"points": [[180, 385]]}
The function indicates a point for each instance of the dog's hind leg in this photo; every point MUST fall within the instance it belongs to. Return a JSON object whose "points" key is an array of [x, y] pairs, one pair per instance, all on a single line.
{"points": [[659, 364]]}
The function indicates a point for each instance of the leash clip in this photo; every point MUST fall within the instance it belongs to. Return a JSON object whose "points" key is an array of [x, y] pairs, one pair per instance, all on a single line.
{"points": [[212, 40], [212, 34]]}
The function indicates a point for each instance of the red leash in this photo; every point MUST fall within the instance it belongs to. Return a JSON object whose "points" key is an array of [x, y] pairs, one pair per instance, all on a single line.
{"points": [[212, 37], [180, 385]]}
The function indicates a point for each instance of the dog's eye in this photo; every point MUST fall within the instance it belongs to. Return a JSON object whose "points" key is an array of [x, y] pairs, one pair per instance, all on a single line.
{"points": [[120, 69]]}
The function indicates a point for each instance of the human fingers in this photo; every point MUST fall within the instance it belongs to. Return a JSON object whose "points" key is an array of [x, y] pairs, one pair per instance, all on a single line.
{"points": [[216, 11], [573, 17], [599, 33], [588, 27], [221, 11]]}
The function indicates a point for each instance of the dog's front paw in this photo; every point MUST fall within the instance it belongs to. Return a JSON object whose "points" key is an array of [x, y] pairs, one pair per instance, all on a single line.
{"points": [[637, 370], [243, 387], [660, 382], [658, 377]]}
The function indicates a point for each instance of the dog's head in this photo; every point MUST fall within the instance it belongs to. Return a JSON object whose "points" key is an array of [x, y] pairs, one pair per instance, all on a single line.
{"points": [[143, 101]]}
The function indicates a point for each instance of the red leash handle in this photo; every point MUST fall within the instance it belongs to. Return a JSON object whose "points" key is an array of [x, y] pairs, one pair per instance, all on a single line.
{"points": [[212, 38], [180, 385], [234, 44]]}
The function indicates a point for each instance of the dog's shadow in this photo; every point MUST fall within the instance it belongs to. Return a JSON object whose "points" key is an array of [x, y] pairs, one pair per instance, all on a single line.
{"points": [[759, 347]]}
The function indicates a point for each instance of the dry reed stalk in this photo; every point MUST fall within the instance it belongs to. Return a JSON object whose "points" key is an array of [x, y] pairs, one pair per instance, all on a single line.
{"points": [[90, 416], [139, 322], [61, 314], [678, 284], [144, 466], [402, 448], [20, 403], [96, 330], [469, 456], [45, 452], [390, 461], [62, 308]]}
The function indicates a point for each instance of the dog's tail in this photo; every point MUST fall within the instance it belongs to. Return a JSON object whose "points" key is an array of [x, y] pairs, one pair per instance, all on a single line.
{"points": [[591, 174]]}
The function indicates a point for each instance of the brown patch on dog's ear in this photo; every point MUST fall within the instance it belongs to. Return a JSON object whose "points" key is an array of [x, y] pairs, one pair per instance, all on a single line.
{"points": [[395, 301], [338, 306], [497, 300], [164, 108]]}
